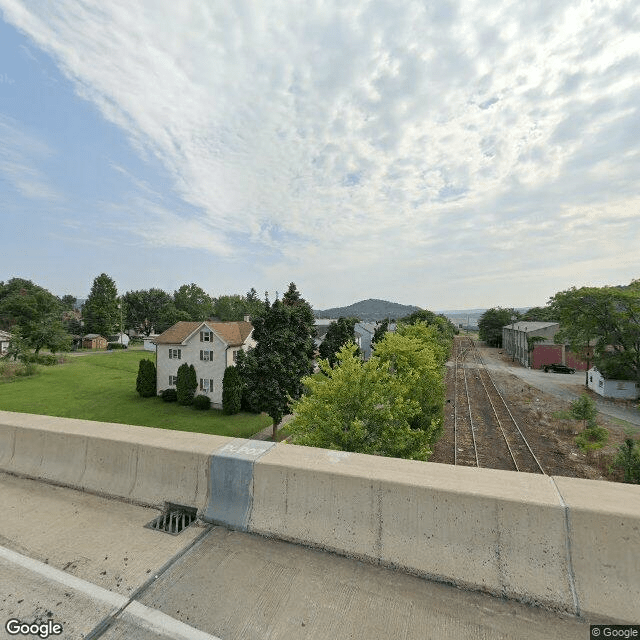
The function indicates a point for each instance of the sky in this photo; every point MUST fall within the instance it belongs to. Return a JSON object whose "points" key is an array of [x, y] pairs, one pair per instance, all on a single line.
{"points": [[449, 154]]}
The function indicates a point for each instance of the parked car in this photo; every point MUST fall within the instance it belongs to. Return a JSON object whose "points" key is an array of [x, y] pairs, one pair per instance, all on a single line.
{"points": [[558, 368]]}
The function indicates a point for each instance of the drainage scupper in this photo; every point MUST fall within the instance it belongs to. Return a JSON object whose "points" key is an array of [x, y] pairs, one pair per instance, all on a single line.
{"points": [[174, 519]]}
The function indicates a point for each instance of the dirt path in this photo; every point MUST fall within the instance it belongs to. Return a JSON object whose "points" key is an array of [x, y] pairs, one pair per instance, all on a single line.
{"points": [[537, 401]]}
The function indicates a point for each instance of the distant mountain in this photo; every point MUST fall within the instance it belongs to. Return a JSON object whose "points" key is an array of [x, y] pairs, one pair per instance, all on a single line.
{"points": [[368, 310]]}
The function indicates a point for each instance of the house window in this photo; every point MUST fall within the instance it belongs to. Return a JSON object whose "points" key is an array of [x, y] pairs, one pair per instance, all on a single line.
{"points": [[175, 354], [235, 355], [173, 381], [206, 336], [206, 355], [206, 385]]}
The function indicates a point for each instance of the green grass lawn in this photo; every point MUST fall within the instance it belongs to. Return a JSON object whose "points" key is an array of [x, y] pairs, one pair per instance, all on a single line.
{"points": [[103, 387]]}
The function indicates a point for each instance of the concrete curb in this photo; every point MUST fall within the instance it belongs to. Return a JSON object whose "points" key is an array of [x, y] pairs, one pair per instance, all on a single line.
{"points": [[567, 544]]}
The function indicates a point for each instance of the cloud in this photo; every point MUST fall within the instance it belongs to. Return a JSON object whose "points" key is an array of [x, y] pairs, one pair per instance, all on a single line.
{"points": [[349, 132], [20, 152]]}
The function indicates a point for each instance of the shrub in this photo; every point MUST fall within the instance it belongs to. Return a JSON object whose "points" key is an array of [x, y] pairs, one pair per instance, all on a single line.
{"points": [[592, 438], [186, 384], [47, 360], [585, 409], [116, 345], [231, 391], [27, 369], [146, 381], [202, 402], [169, 395], [627, 460]]}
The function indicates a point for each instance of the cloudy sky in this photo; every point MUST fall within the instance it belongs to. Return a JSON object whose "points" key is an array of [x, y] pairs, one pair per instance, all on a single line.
{"points": [[448, 154]]}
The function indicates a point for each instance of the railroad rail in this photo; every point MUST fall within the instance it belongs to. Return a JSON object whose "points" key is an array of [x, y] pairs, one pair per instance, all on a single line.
{"points": [[516, 447]]}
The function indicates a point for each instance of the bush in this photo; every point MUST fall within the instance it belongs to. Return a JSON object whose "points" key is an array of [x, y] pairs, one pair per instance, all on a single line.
{"points": [[186, 384], [592, 438], [202, 402], [27, 369], [585, 409], [146, 381], [135, 341], [169, 395], [231, 391], [628, 461], [116, 345]]}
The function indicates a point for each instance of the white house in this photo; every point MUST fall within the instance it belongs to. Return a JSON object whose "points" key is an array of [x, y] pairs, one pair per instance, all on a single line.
{"points": [[210, 347], [622, 389], [149, 342]]}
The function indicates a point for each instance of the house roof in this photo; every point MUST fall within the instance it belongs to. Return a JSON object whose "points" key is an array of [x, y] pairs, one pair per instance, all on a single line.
{"points": [[91, 336], [233, 333], [528, 327]]}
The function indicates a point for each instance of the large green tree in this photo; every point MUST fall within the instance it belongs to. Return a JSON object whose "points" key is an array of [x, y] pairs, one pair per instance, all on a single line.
{"points": [[491, 322], [194, 302], [338, 334], [273, 370], [606, 319], [100, 311], [147, 310], [36, 311], [361, 407]]}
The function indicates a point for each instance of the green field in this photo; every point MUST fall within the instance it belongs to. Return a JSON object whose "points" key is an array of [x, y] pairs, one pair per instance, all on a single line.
{"points": [[102, 386]]}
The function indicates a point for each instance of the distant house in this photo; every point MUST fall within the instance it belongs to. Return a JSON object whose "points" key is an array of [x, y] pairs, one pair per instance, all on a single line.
{"points": [[5, 338], [515, 342], [94, 341], [364, 335], [620, 389], [210, 347]]}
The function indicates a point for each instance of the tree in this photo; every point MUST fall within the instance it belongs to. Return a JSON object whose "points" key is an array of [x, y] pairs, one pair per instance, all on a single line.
{"points": [[608, 317], [628, 460], [416, 356], [585, 409], [18, 345], [491, 323], [273, 370], [37, 312], [379, 332], [100, 311], [186, 383], [230, 308], [194, 301], [231, 391], [146, 310], [68, 302], [146, 380], [338, 334], [540, 314], [359, 406]]}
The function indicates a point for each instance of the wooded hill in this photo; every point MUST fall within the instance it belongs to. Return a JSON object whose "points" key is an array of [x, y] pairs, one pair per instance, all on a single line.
{"points": [[370, 310]]}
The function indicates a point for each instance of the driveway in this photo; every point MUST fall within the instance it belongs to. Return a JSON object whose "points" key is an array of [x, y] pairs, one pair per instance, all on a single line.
{"points": [[565, 386]]}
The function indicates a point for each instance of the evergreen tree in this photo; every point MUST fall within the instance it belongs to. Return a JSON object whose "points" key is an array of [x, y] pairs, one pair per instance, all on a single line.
{"points": [[338, 334], [186, 384], [273, 370], [100, 311], [146, 380], [231, 391]]}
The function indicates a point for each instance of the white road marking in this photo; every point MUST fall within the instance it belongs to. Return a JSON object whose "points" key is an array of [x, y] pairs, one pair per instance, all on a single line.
{"points": [[135, 612]]}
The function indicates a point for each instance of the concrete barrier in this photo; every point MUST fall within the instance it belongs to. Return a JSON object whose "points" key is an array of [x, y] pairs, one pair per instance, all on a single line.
{"points": [[142, 464], [604, 522], [564, 543], [491, 530]]}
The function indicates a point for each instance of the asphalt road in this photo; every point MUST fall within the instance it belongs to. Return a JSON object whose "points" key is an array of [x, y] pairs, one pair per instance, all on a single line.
{"points": [[88, 564]]}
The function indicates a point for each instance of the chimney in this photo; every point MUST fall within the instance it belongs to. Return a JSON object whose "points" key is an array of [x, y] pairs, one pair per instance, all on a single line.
{"points": [[247, 318]]}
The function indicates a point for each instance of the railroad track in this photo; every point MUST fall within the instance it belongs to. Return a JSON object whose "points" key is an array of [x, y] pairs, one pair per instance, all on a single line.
{"points": [[509, 443]]}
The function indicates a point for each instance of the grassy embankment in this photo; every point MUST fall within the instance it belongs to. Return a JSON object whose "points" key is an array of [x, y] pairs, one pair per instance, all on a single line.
{"points": [[102, 387]]}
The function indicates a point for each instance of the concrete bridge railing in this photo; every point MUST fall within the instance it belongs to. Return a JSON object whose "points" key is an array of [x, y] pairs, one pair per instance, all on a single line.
{"points": [[567, 544]]}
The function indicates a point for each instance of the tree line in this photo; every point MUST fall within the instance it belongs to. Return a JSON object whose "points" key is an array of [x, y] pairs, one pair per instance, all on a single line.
{"points": [[603, 321], [38, 319]]}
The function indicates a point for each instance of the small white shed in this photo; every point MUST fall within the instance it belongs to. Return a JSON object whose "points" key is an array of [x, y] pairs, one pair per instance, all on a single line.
{"points": [[149, 342], [621, 389]]}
